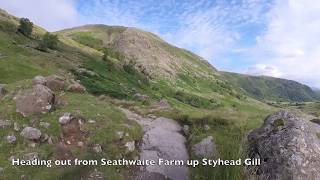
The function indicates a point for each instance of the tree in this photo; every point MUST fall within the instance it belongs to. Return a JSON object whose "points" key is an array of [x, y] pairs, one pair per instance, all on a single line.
{"points": [[25, 26], [48, 41]]}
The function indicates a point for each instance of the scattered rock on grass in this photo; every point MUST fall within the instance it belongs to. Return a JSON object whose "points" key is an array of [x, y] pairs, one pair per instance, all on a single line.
{"points": [[38, 100], [205, 148], [5, 123], [97, 148], [76, 87], [31, 133], [186, 129], [30, 156], [16, 126], [130, 146], [11, 139], [120, 134], [65, 119], [45, 125], [141, 97]]}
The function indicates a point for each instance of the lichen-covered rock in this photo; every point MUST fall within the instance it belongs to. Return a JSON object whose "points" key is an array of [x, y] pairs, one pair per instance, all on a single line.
{"points": [[11, 139], [38, 100], [205, 148], [31, 133], [288, 146], [55, 82], [76, 87], [65, 119]]}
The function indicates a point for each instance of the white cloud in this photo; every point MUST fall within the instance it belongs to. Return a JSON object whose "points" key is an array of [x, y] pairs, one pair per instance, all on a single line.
{"points": [[50, 14], [263, 69], [213, 31], [291, 42]]}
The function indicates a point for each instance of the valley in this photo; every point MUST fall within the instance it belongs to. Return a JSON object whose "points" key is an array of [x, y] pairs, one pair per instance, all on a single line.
{"points": [[116, 92]]}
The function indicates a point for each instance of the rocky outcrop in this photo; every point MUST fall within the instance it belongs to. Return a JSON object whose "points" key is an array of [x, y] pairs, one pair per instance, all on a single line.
{"points": [[76, 87], [205, 148], [31, 133], [55, 82], [288, 146], [38, 100]]}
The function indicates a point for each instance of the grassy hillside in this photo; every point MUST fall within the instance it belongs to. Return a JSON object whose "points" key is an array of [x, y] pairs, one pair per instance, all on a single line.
{"points": [[150, 53], [271, 89], [197, 95]]}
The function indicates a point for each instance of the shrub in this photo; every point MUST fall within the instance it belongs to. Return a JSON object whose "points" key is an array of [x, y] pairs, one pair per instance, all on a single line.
{"points": [[25, 26], [106, 53], [48, 41]]}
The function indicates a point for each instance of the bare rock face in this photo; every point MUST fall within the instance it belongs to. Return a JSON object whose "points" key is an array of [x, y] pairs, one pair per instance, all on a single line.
{"points": [[205, 148], [55, 82], [31, 133], [288, 146], [76, 87], [38, 100]]}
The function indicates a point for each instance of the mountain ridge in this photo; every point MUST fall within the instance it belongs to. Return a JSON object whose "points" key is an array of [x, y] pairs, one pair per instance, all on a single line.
{"points": [[271, 88]]}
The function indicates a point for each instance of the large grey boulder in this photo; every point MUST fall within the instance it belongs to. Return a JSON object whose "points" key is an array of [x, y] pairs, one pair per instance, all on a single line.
{"points": [[288, 146], [38, 100], [31, 133], [205, 148]]}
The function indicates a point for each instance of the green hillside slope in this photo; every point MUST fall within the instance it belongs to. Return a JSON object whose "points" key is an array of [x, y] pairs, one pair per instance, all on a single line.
{"points": [[138, 64], [271, 89]]}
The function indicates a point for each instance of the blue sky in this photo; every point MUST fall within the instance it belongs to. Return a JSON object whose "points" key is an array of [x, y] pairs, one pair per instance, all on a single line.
{"points": [[279, 38]]}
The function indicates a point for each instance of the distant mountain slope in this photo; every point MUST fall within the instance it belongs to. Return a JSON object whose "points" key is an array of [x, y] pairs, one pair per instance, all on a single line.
{"points": [[157, 57], [269, 88]]}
